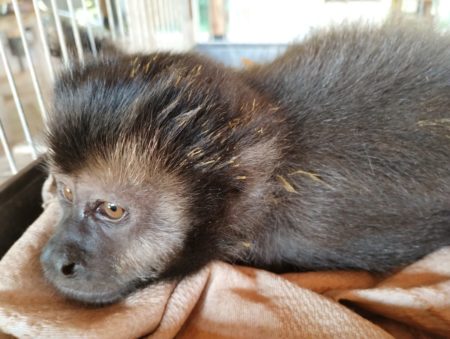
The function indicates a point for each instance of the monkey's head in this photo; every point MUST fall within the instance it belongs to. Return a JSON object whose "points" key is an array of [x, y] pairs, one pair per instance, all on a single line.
{"points": [[157, 159]]}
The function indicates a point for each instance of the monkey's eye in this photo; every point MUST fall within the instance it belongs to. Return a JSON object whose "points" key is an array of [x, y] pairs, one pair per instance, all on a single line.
{"points": [[111, 210], [67, 193]]}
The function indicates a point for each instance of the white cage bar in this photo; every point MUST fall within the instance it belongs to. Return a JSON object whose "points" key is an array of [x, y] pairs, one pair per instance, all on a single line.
{"points": [[111, 20], [17, 102], [43, 38], [75, 31], [7, 149], [31, 69], [60, 32], [89, 31], [120, 18]]}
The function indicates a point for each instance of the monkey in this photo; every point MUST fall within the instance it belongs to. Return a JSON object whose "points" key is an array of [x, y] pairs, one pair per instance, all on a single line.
{"points": [[335, 155]]}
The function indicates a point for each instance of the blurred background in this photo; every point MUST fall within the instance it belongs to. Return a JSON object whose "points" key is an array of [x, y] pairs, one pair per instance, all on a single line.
{"points": [[39, 37]]}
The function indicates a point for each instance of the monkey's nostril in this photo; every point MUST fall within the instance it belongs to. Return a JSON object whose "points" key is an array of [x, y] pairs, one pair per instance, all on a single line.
{"points": [[68, 269]]}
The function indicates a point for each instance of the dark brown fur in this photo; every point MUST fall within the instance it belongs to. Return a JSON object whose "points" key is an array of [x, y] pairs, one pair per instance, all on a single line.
{"points": [[335, 155]]}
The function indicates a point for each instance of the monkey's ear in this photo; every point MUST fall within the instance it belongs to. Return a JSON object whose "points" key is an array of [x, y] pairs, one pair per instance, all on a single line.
{"points": [[253, 170], [49, 190], [259, 161]]}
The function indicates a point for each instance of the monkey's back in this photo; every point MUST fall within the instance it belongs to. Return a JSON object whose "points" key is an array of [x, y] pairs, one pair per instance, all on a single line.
{"points": [[368, 149]]}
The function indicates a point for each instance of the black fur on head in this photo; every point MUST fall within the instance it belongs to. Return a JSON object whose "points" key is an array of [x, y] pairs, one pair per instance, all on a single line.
{"points": [[189, 129]]}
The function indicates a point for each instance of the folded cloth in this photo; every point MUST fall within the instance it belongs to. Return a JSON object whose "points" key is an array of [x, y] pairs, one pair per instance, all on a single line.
{"points": [[228, 301]]}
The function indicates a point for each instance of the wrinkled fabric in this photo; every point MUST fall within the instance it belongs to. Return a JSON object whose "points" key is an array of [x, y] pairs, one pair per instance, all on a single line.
{"points": [[228, 301]]}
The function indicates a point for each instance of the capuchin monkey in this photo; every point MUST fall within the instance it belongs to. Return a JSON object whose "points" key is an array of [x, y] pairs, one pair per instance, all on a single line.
{"points": [[336, 155]]}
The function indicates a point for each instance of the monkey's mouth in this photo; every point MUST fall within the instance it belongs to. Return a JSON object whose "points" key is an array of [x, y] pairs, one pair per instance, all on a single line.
{"points": [[92, 298], [101, 297], [97, 295]]}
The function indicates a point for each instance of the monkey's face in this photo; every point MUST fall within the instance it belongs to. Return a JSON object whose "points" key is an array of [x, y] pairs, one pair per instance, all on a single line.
{"points": [[109, 240]]}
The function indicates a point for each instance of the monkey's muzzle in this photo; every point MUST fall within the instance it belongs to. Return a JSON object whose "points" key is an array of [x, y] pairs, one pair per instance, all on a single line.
{"points": [[77, 274]]}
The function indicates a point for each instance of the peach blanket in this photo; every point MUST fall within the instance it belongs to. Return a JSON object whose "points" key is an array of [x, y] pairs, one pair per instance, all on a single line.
{"points": [[224, 301]]}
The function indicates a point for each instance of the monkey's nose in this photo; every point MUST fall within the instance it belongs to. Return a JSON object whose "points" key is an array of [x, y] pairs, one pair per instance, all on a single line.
{"points": [[61, 262], [68, 266], [70, 269]]}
